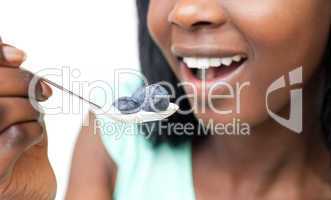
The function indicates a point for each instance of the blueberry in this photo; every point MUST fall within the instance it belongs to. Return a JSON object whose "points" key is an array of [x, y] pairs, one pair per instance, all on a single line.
{"points": [[127, 105], [139, 95], [153, 98]]}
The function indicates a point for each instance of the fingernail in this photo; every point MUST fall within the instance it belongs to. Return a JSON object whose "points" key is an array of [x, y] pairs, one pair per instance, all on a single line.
{"points": [[13, 54], [46, 91]]}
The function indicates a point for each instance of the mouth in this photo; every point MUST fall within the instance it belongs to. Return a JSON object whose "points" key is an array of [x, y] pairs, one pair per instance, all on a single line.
{"points": [[210, 69]]}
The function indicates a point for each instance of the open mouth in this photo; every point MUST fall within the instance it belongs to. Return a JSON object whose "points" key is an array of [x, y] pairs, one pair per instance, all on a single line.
{"points": [[211, 68]]}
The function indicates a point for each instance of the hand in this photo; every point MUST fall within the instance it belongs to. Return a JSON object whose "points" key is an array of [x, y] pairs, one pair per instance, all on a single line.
{"points": [[25, 171]]}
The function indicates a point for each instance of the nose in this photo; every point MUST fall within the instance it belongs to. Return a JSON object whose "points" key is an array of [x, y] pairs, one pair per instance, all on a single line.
{"points": [[192, 14]]}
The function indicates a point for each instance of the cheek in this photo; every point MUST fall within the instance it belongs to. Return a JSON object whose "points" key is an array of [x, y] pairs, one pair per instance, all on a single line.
{"points": [[160, 29], [157, 22], [277, 21], [287, 33], [283, 35]]}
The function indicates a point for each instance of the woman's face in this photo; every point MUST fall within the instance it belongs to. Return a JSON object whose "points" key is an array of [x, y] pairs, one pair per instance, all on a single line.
{"points": [[259, 40]]}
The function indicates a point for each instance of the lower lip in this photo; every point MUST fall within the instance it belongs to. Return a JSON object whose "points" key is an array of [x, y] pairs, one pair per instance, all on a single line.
{"points": [[220, 74]]}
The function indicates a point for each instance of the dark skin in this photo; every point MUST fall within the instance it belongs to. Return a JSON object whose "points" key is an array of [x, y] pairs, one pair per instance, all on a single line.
{"points": [[25, 171], [93, 172], [271, 163]]}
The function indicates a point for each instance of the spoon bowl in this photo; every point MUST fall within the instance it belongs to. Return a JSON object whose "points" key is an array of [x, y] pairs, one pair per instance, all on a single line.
{"points": [[139, 117]]}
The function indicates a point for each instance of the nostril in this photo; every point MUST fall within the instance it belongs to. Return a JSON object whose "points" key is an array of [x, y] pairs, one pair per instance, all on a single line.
{"points": [[193, 15], [201, 23]]}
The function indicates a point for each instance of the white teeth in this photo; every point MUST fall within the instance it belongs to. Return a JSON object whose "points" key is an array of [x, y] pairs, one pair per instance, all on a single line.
{"points": [[191, 62], [237, 58], [215, 62], [205, 63], [227, 61]]}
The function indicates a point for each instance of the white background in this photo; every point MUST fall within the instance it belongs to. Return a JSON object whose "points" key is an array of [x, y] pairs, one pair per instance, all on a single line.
{"points": [[94, 36]]}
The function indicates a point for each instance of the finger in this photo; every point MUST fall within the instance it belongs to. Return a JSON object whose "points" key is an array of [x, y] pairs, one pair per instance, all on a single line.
{"points": [[17, 83], [15, 140], [11, 56], [16, 110], [38, 87]]}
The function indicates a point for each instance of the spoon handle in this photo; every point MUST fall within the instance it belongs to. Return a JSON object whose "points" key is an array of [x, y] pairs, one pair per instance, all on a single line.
{"points": [[54, 84], [66, 90]]}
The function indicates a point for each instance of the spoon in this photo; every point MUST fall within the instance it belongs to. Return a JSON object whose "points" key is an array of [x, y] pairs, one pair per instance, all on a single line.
{"points": [[115, 114]]}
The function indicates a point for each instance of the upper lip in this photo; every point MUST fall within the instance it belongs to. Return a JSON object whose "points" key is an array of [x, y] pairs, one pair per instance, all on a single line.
{"points": [[205, 51]]}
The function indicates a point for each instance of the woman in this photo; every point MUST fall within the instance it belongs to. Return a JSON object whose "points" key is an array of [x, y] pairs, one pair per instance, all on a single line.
{"points": [[271, 38]]}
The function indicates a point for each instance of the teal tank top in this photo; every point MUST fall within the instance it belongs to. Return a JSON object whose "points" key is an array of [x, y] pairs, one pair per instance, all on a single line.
{"points": [[144, 172]]}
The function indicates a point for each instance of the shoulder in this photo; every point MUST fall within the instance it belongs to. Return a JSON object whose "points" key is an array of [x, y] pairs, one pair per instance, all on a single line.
{"points": [[91, 162]]}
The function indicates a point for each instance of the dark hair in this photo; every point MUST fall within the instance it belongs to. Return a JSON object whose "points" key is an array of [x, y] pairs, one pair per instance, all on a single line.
{"points": [[155, 68]]}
